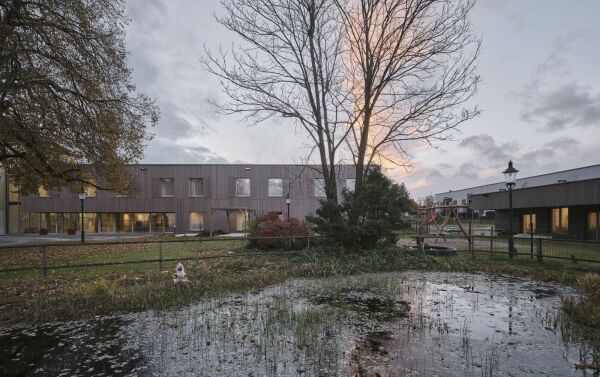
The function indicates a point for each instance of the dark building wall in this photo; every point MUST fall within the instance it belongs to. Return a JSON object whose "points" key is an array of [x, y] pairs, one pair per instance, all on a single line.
{"points": [[558, 195], [219, 192]]}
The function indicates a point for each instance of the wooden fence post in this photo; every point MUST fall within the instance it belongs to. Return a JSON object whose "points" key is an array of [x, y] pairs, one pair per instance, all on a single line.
{"points": [[45, 261], [531, 231], [471, 248], [492, 241], [308, 242], [539, 250], [160, 256]]}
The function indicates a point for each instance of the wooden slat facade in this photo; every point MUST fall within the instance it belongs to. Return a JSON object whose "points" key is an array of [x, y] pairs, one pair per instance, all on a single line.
{"points": [[219, 192]]}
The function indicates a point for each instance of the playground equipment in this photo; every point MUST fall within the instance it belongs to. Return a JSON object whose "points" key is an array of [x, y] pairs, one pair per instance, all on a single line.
{"points": [[439, 215]]}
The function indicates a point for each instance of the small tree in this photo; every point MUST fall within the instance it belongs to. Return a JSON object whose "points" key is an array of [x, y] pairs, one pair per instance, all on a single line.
{"points": [[377, 208]]}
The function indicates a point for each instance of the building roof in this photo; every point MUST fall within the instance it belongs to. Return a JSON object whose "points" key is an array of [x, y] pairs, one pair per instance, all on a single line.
{"points": [[569, 175]]}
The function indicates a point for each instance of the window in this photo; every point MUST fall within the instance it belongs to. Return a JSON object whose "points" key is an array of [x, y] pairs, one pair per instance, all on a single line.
{"points": [[42, 192], [196, 187], [592, 225], [90, 191], [242, 187], [560, 220], [275, 187], [319, 187], [167, 187], [350, 184], [529, 223], [196, 221]]}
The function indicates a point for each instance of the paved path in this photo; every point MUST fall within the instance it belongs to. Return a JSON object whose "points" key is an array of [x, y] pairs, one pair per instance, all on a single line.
{"points": [[34, 239]]}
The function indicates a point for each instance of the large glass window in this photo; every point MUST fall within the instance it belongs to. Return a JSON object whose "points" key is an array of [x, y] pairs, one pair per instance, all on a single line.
{"points": [[560, 220], [141, 222], [107, 222], [167, 187], [592, 225], [319, 187], [196, 221], [89, 222], [350, 184], [162, 222], [529, 223], [275, 187], [125, 222], [196, 187], [242, 187]]}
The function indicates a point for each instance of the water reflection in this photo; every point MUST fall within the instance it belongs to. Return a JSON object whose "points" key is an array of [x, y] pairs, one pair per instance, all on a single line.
{"points": [[400, 324]]}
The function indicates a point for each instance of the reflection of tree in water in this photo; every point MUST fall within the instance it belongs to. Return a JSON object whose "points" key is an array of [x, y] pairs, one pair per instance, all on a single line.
{"points": [[74, 349]]}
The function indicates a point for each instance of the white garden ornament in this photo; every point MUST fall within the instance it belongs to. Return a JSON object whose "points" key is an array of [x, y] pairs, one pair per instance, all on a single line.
{"points": [[180, 276]]}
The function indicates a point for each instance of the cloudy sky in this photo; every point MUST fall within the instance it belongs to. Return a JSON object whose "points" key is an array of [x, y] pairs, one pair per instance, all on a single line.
{"points": [[540, 95]]}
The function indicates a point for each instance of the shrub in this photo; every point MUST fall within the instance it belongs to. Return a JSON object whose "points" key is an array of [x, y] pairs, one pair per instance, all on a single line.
{"points": [[271, 225], [365, 218]]}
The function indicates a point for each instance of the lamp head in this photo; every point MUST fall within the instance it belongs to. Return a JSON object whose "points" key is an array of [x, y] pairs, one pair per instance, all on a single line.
{"points": [[510, 174]]}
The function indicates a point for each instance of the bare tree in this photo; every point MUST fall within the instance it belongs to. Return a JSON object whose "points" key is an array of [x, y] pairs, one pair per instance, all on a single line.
{"points": [[69, 114], [411, 65], [289, 66]]}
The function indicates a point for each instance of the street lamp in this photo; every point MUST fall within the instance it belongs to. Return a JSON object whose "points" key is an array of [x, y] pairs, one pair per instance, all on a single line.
{"points": [[288, 201], [82, 198], [510, 176]]}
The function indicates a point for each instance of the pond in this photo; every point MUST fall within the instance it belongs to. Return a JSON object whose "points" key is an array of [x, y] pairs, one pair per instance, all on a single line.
{"points": [[397, 324]]}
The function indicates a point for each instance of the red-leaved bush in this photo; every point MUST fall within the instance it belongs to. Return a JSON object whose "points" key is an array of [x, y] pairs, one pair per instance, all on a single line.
{"points": [[271, 225]]}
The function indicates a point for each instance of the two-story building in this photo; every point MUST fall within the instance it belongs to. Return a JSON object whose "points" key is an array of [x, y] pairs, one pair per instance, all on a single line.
{"points": [[189, 198]]}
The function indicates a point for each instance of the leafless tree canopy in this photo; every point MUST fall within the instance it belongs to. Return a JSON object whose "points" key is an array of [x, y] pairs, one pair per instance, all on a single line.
{"points": [[367, 77], [411, 64], [288, 66], [68, 110]]}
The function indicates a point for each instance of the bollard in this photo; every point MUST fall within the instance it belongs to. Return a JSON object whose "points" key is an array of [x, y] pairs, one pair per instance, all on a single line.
{"points": [[160, 256]]}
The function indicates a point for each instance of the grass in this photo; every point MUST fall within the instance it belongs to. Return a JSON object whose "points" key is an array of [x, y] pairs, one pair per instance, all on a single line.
{"points": [[111, 289], [79, 293]]}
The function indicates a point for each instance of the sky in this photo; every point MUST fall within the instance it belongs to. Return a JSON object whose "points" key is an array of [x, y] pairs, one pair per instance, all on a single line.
{"points": [[539, 95]]}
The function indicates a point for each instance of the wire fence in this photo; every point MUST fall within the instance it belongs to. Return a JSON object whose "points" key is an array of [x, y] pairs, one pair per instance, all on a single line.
{"points": [[59, 256], [532, 247]]}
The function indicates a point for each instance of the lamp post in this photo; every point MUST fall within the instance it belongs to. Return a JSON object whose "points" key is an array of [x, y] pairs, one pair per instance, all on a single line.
{"points": [[288, 201], [82, 198], [510, 176]]}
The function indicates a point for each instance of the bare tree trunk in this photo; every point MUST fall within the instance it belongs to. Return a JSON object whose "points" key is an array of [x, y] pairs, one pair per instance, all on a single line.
{"points": [[289, 66]]}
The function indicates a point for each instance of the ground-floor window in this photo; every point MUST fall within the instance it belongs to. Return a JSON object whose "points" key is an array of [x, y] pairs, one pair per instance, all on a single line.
{"points": [[141, 222], [560, 220], [162, 222], [196, 221], [238, 221], [529, 223], [592, 225]]}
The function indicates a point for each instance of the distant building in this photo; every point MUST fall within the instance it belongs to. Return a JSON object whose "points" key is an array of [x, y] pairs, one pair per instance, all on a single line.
{"points": [[190, 198], [563, 204], [462, 196]]}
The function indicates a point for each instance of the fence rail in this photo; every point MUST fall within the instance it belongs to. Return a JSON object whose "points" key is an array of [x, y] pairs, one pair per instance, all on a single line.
{"points": [[55, 256], [539, 248]]}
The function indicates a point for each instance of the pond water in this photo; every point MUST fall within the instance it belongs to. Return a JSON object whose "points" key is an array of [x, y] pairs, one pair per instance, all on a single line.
{"points": [[398, 324]]}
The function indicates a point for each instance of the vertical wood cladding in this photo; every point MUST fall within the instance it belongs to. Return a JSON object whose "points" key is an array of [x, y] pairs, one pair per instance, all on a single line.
{"points": [[219, 192]]}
